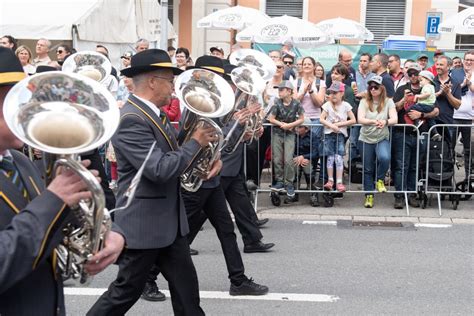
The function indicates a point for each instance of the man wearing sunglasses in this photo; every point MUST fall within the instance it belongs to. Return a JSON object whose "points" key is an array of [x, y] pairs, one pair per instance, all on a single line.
{"points": [[290, 73], [404, 140]]}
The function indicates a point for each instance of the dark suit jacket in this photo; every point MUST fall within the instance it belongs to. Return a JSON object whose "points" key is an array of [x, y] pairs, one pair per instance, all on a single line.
{"points": [[29, 231], [157, 214]]}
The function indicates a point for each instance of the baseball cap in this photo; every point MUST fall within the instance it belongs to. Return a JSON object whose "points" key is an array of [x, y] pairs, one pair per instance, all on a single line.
{"points": [[438, 52], [127, 55], [284, 84], [376, 79], [422, 56], [337, 87], [414, 66], [427, 74], [220, 49]]}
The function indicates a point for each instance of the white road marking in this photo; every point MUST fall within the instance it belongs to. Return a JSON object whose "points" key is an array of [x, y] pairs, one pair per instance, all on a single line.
{"points": [[331, 223], [290, 297], [427, 225]]}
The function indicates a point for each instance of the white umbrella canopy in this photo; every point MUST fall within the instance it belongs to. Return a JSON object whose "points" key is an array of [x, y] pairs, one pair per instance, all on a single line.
{"points": [[460, 23], [340, 28], [236, 18], [284, 28]]}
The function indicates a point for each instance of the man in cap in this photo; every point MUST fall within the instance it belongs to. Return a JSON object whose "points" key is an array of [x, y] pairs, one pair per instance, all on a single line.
{"points": [[422, 61], [125, 58], [208, 202], [404, 141], [217, 52], [32, 219], [155, 224], [432, 69]]}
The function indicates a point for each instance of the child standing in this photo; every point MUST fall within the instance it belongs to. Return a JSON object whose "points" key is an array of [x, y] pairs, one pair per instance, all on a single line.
{"points": [[334, 118], [425, 101], [286, 114]]}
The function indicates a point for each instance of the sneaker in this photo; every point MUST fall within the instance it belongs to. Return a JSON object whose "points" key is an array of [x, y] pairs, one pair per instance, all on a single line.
{"points": [[399, 203], [290, 190], [381, 186], [340, 187], [369, 201], [152, 293], [278, 187], [251, 186], [329, 185], [436, 137], [248, 287]]}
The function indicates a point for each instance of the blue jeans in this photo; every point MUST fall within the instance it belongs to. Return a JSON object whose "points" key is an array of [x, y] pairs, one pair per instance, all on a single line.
{"points": [[404, 169], [354, 152], [317, 131], [379, 153]]}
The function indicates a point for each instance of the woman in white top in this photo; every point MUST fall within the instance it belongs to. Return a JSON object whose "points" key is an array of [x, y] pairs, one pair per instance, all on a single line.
{"points": [[375, 113], [24, 55], [311, 91]]}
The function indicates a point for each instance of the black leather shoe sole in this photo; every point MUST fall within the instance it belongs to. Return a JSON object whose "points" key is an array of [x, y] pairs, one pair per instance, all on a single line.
{"points": [[193, 252], [156, 297], [261, 222], [260, 248]]}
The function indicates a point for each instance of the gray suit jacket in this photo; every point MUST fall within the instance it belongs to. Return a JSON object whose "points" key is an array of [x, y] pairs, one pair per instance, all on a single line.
{"points": [[157, 214], [29, 231]]}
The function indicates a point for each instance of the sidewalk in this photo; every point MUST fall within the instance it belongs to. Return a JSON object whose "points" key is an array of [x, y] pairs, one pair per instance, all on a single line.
{"points": [[351, 208]]}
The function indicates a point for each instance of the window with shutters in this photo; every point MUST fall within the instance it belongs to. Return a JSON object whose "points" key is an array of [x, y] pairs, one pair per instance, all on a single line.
{"points": [[384, 18], [276, 8]]}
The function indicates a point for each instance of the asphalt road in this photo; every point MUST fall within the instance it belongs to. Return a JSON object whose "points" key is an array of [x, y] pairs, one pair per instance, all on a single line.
{"points": [[356, 271]]}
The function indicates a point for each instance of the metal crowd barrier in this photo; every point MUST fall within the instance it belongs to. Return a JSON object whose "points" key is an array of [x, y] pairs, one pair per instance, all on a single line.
{"points": [[448, 172], [402, 136]]}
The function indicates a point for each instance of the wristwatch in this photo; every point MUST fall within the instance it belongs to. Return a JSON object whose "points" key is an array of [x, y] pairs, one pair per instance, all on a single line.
{"points": [[311, 91], [422, 115]]}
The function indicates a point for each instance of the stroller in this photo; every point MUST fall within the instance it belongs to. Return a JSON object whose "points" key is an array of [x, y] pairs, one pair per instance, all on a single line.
{"points": [[439, 176]]}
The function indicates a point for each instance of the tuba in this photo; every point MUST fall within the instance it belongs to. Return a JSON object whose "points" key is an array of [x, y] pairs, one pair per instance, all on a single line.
{"points": [[253, 70], [64, 115], [205, 95]]}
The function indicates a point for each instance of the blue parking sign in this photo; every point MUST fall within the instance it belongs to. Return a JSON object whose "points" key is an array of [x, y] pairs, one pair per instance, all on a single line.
{"points": [[432, 22]]}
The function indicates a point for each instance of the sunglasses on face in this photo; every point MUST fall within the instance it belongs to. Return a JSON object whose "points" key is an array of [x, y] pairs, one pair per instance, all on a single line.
{"points": [[412, 73], [59, 51], [280, 67], [374, 87], [288, 62]]}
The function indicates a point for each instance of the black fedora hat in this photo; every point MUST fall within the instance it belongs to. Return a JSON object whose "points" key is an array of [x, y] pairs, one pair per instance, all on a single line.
{"points": [[149, 60], [211, 63], [44, 68], [11, 70]]}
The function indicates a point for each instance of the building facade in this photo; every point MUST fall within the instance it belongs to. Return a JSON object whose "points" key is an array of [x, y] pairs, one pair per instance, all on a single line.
{"points": [[382, 17]]}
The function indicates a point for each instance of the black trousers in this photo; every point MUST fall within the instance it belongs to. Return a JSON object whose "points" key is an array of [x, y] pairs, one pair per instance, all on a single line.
{"points": [[210, 204], [177, 267], [244, 213], [255, 154]]}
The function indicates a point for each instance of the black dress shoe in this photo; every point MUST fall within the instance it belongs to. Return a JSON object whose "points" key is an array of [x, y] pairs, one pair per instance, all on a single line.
{"points": [[193, 252], [152, 293], [248, 287], [258, 247], [261, 222]]}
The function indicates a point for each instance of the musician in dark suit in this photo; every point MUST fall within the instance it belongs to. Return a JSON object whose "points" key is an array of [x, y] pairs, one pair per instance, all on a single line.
{"points": [[155, 224], [32, 219]]}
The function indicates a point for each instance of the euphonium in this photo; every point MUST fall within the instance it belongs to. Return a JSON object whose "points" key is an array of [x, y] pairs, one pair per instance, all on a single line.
{"points": [[253, 70], [205, 95], [64, 115]]}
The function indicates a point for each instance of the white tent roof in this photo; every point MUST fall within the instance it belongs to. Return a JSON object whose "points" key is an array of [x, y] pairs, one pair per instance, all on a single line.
{"points": [[107, 21]]}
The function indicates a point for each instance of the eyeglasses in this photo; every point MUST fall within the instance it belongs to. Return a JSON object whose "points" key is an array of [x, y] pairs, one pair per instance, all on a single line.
{"points": [[169, 79], [288, 62], [59, 51], [374, 87], [412, 73]]}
